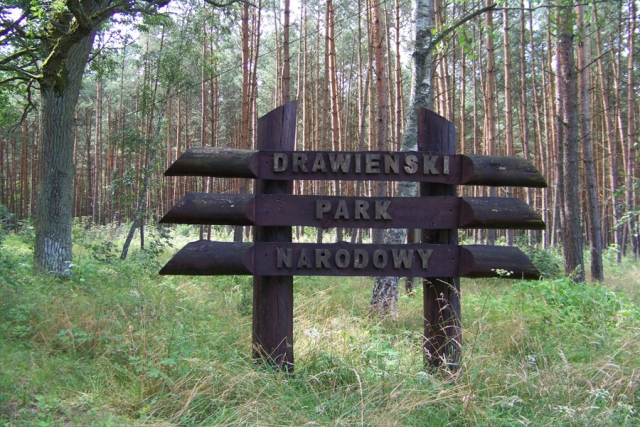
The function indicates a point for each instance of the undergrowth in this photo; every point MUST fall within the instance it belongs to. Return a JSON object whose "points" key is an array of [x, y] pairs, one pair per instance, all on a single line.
{"points": [[115, 344]]}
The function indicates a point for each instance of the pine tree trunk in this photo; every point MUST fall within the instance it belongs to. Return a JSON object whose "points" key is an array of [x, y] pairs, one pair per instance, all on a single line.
{"points": [[567, 97], [631, 133], [490, 104], [597, 272], [384, 298]]}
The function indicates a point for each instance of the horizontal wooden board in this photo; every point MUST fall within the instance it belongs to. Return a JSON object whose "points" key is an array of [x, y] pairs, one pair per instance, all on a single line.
{"points": [[354, 212], [358, 165], [346, 259]]}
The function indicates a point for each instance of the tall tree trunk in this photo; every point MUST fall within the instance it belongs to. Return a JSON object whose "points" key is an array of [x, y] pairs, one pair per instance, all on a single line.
{"points": [[567, 97], [508, 125], [286, 69], [52, 249], [336, 125], [384, 298], [597, 272], [490, 103], [245, 114], [631, 132], [610, 136], [24, 173]]}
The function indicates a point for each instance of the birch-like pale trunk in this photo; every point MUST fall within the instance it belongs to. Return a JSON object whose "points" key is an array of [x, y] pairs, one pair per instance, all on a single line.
{"points": [[421, 60]]}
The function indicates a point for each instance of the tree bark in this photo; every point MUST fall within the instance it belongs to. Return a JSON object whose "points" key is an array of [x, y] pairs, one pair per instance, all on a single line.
{"points": [[52, 250], [597, 271], [384, 298], [631, 133], [567, 97], [490, 103], [611, 138]]}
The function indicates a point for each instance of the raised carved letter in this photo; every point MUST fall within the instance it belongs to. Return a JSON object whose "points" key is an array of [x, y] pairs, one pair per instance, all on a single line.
{"points": [[299, 160], [322, 258], [411, 164], [391, 163], [429, 165], [304, 260], [381, 209], [372, 163], [341, 211], [402, 257], [319, 164], [360, 258], [424, 255], [342, 258], [361, 209], [280, 162], [340, 161], [284, 259], [322, 206], [379, 259]]}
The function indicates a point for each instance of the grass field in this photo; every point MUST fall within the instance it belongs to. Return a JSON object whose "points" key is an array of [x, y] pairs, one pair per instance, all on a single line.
{"points": [[114, 344]]}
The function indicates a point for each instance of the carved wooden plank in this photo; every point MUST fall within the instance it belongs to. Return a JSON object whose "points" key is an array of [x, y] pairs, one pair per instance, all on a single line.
{"points": [[207, 258], [358, 212], [346, 259], [216, 162], [215, 209], [498, 261], [434, 167], [503, 171], [498, 212]]}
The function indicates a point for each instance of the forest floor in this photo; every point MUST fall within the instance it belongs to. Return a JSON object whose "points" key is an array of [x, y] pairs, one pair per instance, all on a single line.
{"points": [[115, 344]]}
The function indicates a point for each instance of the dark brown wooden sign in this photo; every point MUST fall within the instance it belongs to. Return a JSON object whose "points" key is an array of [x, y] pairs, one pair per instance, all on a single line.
{"points": [[451, 169], [273, 259], [346, 259], [354, 212]]}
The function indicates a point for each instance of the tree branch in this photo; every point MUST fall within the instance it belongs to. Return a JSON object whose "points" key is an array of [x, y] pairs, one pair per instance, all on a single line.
{"points": [[10, 25], [19, 71], [82, 19], [229, 3], [16, 55], [14, 78], [442, 34], [594, 61]]}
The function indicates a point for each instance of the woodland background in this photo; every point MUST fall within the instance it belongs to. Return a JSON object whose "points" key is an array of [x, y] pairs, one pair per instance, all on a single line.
{"points": [[211, 72], [110, 342]]}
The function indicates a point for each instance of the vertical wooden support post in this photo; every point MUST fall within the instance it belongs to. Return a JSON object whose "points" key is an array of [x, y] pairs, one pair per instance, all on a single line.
{"points": [[272, 336], [442, 328]]}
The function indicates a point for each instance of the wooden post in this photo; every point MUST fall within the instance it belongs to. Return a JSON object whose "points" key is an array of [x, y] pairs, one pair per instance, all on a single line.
{"points": [[442, 328], [272, 336]]}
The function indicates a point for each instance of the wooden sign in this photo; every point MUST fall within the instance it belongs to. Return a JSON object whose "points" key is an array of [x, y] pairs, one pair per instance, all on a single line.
{"points": [[451, 169], [273, 259], [354, 212], [346, 259]]}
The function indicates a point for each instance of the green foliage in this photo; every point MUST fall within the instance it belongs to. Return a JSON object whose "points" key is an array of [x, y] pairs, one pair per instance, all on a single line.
{"points": [[548, 261], [116, 344]]}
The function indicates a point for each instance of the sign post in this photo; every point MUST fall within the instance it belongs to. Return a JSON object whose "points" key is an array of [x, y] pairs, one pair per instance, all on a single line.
{"points": [[442, 327], [272, 338], [273, 259]]}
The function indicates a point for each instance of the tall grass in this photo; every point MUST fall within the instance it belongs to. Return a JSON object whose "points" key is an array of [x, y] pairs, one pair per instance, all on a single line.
{"points": [[115, 344]]}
